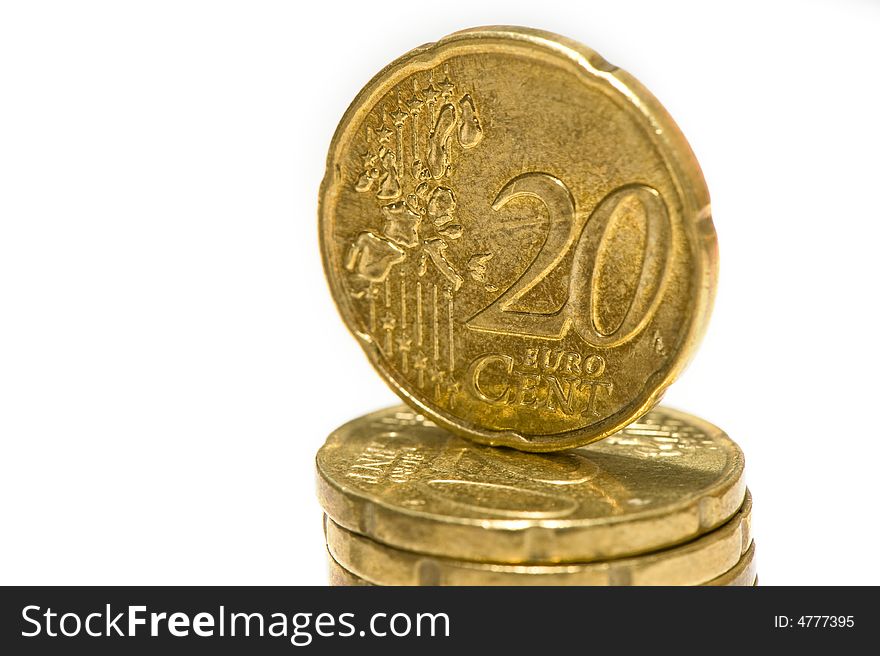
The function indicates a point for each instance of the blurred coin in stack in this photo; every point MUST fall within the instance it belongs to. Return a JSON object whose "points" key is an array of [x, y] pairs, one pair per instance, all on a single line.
{"points": [[661, 502], [341, 577], [744, 573]]}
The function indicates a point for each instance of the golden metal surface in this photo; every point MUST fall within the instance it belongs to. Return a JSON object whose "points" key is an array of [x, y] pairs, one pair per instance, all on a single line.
{"points": [[519, 237], [396, 477], [694, 563], [744, 573], [338, 576]]}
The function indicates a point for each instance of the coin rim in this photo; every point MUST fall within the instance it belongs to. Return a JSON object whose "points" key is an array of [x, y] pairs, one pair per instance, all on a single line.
{"points": [[408, 566], [743, 574], [338, 576], [681, 164]]}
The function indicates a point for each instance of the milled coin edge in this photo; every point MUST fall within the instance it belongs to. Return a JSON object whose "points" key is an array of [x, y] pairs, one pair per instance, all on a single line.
{"points": [[404, 567]]}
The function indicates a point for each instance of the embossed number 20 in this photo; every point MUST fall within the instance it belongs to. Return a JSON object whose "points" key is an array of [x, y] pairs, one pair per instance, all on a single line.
{"points": [[586, 308]]}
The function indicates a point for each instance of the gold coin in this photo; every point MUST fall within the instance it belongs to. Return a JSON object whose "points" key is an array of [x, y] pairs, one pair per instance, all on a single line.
{"points": [[744, 573], [519, 237], [396, 477], [694, 563], [338, 576]]}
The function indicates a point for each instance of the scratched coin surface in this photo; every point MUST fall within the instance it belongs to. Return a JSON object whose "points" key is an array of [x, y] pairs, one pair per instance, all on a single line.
{"points": [[398, 478], [695, 563], [519, 236]]}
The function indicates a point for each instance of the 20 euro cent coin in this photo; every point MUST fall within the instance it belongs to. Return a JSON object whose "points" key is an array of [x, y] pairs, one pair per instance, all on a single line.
{"points": [[519, 237]]}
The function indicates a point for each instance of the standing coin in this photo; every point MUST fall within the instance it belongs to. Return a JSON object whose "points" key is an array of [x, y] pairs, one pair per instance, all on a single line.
{"points": [[397, 478], [694, 563], [519, 237]]}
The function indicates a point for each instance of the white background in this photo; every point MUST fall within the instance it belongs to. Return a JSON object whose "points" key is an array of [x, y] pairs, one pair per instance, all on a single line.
{"points": [[170, 356]]}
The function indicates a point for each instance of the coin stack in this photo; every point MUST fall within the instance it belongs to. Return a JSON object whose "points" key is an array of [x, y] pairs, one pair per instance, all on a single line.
{"points": [[519, 237], [662, 502]]}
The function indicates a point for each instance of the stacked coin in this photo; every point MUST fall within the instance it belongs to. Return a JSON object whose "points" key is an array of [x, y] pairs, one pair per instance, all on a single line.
{"points": [[662, 502], [520, 238]]}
